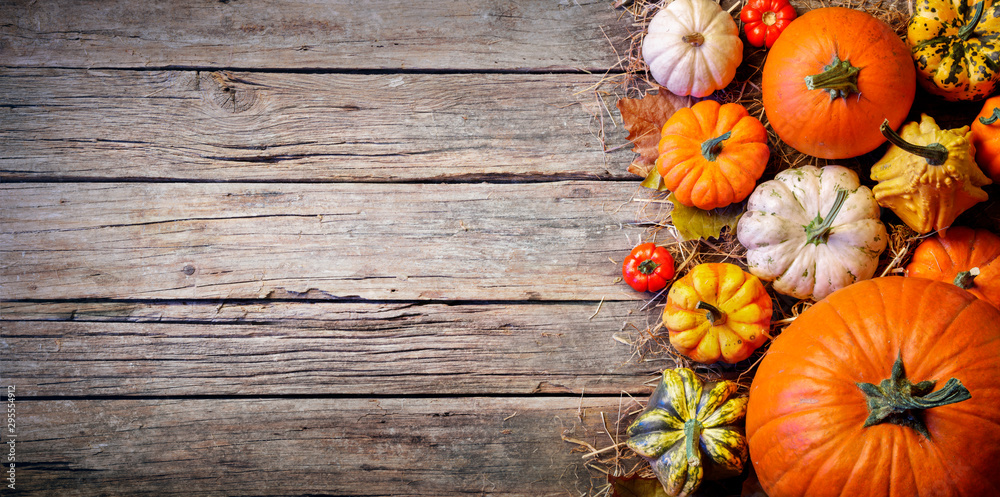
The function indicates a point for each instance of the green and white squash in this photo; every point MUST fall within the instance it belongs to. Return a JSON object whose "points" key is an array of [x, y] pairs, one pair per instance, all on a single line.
{"points": [[690, 431], [812, 231]]}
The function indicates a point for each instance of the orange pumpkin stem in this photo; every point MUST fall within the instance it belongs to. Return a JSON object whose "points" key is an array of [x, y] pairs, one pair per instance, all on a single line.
{"points": [[935, 153], [711, 148], [897, 401], [839, 78], [992, 118], [965, 279], [714, 315]]}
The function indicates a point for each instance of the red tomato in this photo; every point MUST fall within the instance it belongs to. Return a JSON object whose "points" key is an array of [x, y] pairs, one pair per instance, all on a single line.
{"points": [[648, 268], [764, 20]]}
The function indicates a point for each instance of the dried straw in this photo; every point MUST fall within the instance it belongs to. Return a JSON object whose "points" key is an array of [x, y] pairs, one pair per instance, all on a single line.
{"points": [[653, 210], [647, 338]]}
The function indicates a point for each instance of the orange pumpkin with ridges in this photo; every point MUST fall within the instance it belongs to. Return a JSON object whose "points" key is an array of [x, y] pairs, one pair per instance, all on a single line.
{"points": [[969, 258], [831, 79], [886, 388], [712, 155], [986, 138]]}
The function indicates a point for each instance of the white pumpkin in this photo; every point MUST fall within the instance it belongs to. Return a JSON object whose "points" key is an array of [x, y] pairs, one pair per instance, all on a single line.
{"points": [[692, 47], [812, 231]]}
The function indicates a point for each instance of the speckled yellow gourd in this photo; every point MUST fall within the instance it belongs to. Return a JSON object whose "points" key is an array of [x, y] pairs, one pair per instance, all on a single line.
{"points": [[928, 176], [954, 45]]}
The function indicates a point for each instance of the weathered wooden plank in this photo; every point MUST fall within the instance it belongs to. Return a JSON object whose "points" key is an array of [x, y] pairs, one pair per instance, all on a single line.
{"points": [[222, 126], [283, 348], [301, 34], [363, 447], [537, 241]]}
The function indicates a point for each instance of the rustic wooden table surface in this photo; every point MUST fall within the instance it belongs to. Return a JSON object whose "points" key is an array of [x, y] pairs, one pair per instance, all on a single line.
{"points": [[313, 247]]}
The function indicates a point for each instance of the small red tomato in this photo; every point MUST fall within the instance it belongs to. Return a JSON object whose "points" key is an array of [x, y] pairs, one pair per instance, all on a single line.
{"points": [[648, 268], [764, 20]]}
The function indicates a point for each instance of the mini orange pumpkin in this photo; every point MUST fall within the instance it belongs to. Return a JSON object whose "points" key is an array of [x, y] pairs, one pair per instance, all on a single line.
{"points": [[969, 258], [717, 312], [986, 138], [711, 155]]}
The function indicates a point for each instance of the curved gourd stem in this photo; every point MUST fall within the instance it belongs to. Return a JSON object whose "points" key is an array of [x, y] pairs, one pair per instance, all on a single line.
{"points": [[897, 401], [818, 230], [935, 153], [993, 118], [711, 148], [965, 279], [714, 315], [840, 79], [692, 434], [969, 28]]}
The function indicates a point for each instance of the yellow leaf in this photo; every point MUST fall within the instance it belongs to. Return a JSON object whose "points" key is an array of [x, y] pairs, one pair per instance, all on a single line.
{"points": [[693, 223]]}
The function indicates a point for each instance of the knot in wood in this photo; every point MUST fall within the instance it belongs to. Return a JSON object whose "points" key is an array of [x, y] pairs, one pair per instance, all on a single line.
{"points": [[232, 93]]}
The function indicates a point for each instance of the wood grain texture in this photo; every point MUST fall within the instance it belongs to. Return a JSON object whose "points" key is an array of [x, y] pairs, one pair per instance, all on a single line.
{"points": [[320, 348], [211, 126], [362, 447], [539, 241], [465, 35], [314, 247]]}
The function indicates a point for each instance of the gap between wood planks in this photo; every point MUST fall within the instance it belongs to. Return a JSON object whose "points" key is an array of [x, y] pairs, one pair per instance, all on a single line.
{"points": [[330, 70], [322, 396], [487, 178]]}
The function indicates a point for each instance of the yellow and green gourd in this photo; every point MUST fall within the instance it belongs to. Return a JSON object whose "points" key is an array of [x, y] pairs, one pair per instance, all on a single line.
{"points": [[929, 175], [689, 431], [954, 45]]}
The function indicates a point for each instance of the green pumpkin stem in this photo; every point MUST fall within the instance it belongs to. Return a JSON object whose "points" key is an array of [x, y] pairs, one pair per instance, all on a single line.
{"points": [[965, 279], [840, 79], [714, 314], [648, 266], [897, 401], [935, 153], [818, 230], [711, 148], [969, 28], [992, 118], [692, 434]]}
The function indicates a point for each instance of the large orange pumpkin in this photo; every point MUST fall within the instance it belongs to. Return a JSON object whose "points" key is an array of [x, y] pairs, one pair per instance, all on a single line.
{"points": [[952, 257], [831, 79], [822, 419]]}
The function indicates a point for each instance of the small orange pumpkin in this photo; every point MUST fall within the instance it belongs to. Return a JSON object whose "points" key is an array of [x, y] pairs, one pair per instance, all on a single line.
{"points": [[717, 312], [968, 257], [986, 138], [711, 155]]}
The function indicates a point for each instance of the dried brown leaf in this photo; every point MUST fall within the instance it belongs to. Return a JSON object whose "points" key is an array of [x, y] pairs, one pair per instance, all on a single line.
{"points": [[643, 118]]}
